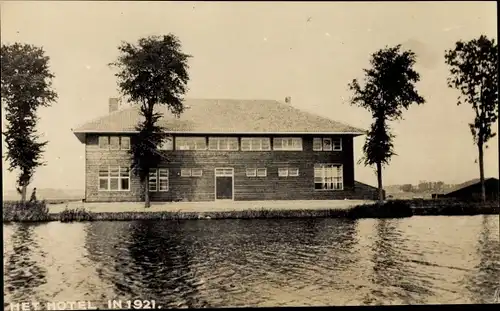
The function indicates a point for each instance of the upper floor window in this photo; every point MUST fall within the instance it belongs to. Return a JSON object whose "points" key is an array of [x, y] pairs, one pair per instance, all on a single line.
{"points": [[328, 177], [114, 142], [327, 144], [255, 143], [114, 178], [190, 143], [223, 143], [167, 143], [287, 143]]}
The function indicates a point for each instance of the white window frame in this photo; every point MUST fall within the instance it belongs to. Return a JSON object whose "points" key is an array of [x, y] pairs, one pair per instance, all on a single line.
{"points": [[291, 169], [99, 142], [194, 139], [109, 178], [282, 172], [251, 172], [164, 143], [262, 169], [286, 144], [111, 147], [121, 142], [228, 145], [256, 143], [333, 141], [333, 178], [155, 179], [317, 140], [185, 172], [339, 139], [161, 178], [193, 170]]}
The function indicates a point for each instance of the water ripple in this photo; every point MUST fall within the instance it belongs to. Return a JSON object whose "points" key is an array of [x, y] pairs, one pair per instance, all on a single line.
{"points": [[234, 263]]}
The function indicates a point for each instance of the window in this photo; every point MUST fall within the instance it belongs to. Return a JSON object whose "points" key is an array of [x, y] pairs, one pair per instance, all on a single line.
{"points": [[191, 172], [261, 172], [190, 143], [158, 179], [251, 172], [103, 142], [167, 143], [223, 143], [282, 172], [337, 144], [328, 177], [255, 143], [317, 144], [287, 143], [327, 144], [125, 143], [162, 179], [153, 180], [185, 172], [293, 172], [196, 172], [114, 178], [114, 143], [288, 172]]}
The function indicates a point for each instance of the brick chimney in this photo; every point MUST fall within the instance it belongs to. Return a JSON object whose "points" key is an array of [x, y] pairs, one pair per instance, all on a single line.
{"points": [[288, 100], [113, 105]]}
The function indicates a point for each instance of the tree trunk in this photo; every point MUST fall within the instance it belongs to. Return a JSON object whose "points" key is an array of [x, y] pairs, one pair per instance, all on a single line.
{"points": [[481, 172], [147, 202], [379, 181], [24, 190]]}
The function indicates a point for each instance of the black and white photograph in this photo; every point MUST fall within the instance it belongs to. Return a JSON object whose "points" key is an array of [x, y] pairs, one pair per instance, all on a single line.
{"points": [[205, 154]]}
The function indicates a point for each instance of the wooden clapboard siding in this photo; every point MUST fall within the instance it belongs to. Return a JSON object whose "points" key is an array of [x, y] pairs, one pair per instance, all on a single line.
{"points": [[202, 188]]}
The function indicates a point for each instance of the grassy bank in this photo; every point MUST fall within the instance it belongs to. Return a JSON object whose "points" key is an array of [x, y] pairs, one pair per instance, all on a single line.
{"points": [[38, 212]]}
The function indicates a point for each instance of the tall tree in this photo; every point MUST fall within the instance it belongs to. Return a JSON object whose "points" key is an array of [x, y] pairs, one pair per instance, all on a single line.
{"points": [[26, 86], [151, 73], [474, 72], [389, 88]]}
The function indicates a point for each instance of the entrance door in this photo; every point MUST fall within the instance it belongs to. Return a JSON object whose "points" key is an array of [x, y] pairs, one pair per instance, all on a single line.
{"points": [[224, 183]]}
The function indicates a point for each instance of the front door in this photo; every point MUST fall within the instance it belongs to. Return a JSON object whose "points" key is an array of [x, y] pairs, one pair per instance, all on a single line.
{"points": [[224, 183]]}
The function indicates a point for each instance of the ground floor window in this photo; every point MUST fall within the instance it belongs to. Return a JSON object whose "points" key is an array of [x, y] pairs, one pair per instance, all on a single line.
{"points": [[114, 178], [328, 177], [256, 172], [158, 179]]}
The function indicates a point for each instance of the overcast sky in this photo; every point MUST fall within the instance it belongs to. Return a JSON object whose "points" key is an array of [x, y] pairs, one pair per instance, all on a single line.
{"points": [[309, 51]]}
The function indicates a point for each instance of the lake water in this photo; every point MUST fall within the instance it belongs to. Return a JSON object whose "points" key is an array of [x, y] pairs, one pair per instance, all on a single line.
{"points": [[219, 263]]}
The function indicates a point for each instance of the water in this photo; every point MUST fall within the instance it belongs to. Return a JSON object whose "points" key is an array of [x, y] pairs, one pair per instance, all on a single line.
{"points": [[219, 263]]}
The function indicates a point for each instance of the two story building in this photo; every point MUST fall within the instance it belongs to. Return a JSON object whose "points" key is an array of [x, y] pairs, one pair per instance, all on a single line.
{"points": [[222, 149]]}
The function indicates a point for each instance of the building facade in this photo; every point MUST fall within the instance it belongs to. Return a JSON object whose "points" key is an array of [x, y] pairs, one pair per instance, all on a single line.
{"points": [[225, 150]]}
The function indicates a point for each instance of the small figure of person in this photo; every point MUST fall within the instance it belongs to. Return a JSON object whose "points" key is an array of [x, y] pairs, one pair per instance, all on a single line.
{"points": [[33, 195]]}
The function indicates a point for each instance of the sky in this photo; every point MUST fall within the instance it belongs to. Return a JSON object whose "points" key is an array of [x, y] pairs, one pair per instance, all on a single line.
{"points": [[249, 50]]}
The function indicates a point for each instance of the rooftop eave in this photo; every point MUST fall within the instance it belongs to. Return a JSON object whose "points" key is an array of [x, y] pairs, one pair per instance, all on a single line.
{"points": [[81, 134]]}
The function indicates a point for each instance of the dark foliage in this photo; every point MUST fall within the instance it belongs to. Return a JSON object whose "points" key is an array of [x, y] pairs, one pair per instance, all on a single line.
{"points": [[26, 86], [388, 90], [474, 72], [151, 73]]}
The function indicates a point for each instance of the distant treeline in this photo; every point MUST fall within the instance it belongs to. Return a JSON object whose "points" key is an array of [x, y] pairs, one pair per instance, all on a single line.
{"points": [[426, 187]]}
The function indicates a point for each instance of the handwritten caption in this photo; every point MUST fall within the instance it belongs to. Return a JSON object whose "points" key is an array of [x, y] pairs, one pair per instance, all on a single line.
{"points": [[85, 305]]}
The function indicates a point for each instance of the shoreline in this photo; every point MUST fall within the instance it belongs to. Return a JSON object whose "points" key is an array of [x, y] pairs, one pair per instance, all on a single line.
{"points": [[251, 210]]}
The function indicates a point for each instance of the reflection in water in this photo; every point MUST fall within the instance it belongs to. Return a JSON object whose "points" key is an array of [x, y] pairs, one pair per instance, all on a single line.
{"points": [[22, 270], [484, 279], [393, 277], [223, 263]]}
